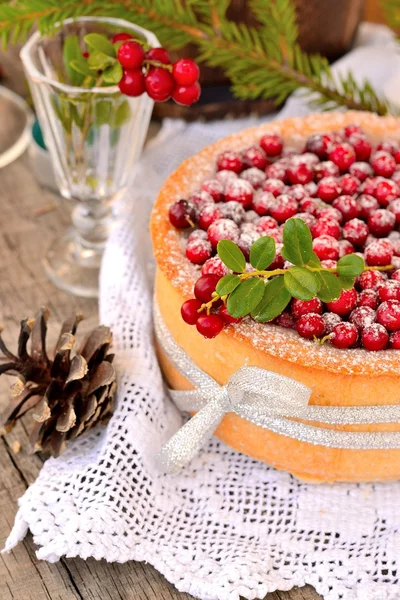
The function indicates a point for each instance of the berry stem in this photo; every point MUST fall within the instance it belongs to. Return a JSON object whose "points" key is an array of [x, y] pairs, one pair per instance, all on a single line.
{"points": [[157, 63]]}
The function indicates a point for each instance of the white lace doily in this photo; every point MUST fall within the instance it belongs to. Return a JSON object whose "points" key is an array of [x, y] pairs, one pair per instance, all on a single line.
{"points": [[226, 526]]}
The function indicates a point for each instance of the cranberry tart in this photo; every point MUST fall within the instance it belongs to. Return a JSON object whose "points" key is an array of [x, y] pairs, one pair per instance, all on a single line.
{"points": [[340, 174]]}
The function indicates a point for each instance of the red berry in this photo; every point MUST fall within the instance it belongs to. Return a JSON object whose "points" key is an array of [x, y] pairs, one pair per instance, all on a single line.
{"points": [[189, 311], [367, 205], [223, 229], [214, 266], [394, 341], [272, 144], [345, 303], [201, 199], [198, 251], [223, 311], [352, 128], [396, 156], [389, 290], [325, 169], [343, 155], [234, 211], [326, 247], [375, 337], [361, 170], [348, 207], [350, 184], [131, 55], [319, 144], [299, 173], [388, 315], [362, 317], [371, 280], [303, 307], [297, 191], [241, 191], [208, 215], [230, 161], [159, 54], [345, 335], [197, 234], [286, 320], [326, 226], [390, 146], [345, 247], [181, 213], [209, 325], [276, 171], [368, 298], [383, 163], [254, 176], [186, 95], [266, 224], [362, 146], [378, 254], [205, 286], [386, 191], [356, 232], [225, 175], [381, 222], [85, 54], [120, 37], [185, 71], [328, 189], [254, 156], [159, 84], [262, 202], [330, 321], [310, 325], [308, 218], [396, 275], [215, 188], [394, 207], [275, 186], [309, 205], [284, 208], [328, 212], [132, 83]]}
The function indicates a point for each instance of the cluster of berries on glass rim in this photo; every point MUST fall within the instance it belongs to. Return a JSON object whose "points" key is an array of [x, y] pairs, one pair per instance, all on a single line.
{"points": [[345, 188], [153, 72]]}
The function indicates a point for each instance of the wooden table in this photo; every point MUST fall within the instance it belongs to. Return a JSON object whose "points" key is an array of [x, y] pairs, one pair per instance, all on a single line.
{"points": [[24, 237]]}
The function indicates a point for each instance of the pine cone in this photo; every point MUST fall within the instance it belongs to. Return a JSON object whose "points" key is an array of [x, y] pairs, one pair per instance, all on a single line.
{"points": [[67, 394]]}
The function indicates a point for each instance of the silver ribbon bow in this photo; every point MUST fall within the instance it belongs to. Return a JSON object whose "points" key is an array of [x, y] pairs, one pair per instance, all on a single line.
{"points": [[266, 399]]}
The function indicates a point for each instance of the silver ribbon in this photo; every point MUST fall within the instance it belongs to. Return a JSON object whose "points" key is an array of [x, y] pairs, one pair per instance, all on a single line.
{"points": [[266, 399]]}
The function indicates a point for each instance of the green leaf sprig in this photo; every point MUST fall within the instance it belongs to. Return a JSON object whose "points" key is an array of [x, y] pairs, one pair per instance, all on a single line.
{"points": [[264, 294]]}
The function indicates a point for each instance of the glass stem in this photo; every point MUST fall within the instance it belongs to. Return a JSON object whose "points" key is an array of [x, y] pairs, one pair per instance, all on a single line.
{"points": [[92, 221]]}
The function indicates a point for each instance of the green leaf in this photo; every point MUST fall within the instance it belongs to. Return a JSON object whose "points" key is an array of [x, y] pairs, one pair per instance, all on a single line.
{"points": [[301, 283], [297, 242], [245, 297], [231, 255], [122, 114], [350, 265], [275, 300], [262, 253], [102, 112], [346, 282], [100, 43], [227, 284], [329, 286], [98, 61], [113, 73], [314, 261], [72, 52], [75, 115], [80, 65]]}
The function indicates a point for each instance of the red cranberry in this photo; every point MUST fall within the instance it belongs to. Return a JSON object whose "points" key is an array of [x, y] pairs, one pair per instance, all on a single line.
{"points": [[375, 337], [388, 315], [326, 227], [378, 254], [326, 247], [390, 146], [132, 83], [362, 147], [311, 189], [201, 199], [309, 205], [361, 170], [396, 156], [208, 215], [159, 54], [348, 207], [286, 319], [214, 266], [159, 84], [345, 247], [284, 208], [189, 311], [356, 232], [215, 188], [383, 164], [368, 298], [367, 205], [396, 175], [369, 185], [394, 207], [227, 318], [241, 191], [275, 186], [225, 175], [394, 341], [186, 95], [297, 191], [230, 161], [250, 216], [303, 307], [131, 55], [209, 325], [234, 211], [272, 144], [205, 286], [381, 222], [310, 325], [254, 176], [254, 156], [371, 280], [330, 321], [350, 184], [328, 189], [362, 317], [326, 168], [396, 275], [389, 290], [198, 251], [299, 173], [386, 191], [182, 214], [345, 335], [185, 71], [263, 201], [121, 37], [345, 303], [308, 218], [319, 144], [351, 129], [222, 229], [197, 234], [328, 212], [343, 155], [266, 224]]}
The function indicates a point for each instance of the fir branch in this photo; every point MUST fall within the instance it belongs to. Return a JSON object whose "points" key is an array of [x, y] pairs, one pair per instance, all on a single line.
{"points": [[264, 62]]}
